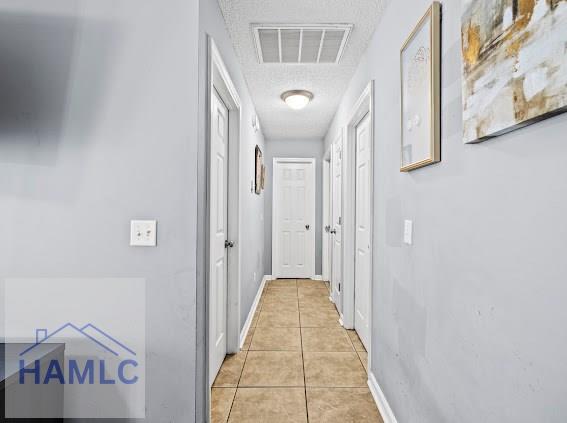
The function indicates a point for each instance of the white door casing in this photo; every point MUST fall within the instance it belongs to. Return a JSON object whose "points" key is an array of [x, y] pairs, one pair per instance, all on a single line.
{"points": [[336, 224], [326, 232], [218, 271], [363, 258], [293, 210]]}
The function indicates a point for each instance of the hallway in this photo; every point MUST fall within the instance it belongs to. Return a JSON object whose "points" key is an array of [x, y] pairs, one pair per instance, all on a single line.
{"points": [[298, 364]]}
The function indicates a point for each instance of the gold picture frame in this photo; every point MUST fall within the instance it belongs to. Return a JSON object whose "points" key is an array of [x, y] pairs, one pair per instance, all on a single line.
{"points": [[420, 76]]}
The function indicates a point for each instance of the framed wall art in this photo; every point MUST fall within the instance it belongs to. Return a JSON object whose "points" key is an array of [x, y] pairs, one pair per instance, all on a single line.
{"points": [[420, 61], [258, 170], [514, 67]]}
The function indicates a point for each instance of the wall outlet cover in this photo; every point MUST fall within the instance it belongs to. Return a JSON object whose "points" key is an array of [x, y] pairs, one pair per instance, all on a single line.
{"points": [[408, 232], [143, 233]]}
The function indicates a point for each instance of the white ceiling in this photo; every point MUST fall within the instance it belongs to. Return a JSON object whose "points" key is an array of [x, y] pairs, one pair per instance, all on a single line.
{"points": [[327, 81]]}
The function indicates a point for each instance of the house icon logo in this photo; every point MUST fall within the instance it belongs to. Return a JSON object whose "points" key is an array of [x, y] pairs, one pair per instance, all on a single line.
{"points": [[120, 369]]}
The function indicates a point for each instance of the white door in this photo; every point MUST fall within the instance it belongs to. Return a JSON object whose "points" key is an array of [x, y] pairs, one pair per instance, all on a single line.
{"points": [[336, 222], [218, 270], [293, 238], [363, 259]]}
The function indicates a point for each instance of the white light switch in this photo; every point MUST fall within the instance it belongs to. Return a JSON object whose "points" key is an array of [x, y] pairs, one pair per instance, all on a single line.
{"points": [[143, 233], [408, 232]]}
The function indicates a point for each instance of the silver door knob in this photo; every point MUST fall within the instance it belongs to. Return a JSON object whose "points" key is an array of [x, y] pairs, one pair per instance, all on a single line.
{"points": [[228, 244], [307, 227]]}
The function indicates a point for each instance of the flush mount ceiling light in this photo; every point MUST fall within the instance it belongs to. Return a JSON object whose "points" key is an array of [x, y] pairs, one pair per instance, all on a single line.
{"points": [[297, 99]]}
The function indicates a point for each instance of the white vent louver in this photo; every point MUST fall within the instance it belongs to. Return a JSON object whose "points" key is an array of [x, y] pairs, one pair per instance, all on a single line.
{"points": [[307, 44]]}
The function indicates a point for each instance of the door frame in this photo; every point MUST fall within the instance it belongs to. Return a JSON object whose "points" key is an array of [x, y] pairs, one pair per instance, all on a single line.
{"points": [[219, 80], [363, 106], [337, 298], [325, 232], [275, 187]]}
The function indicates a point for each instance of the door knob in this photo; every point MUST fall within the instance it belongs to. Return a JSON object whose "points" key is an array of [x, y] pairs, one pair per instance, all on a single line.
{"points": [[228, 244], [307, 227]]}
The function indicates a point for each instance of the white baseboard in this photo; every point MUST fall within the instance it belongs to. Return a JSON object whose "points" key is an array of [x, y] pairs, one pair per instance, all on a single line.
{"points": [[380, 399], [318, 277], [246, 327]]}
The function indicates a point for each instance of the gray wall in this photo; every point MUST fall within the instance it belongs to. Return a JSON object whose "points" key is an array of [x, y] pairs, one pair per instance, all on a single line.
{"points": [[469, 321], [97, 127], [294, 148]]}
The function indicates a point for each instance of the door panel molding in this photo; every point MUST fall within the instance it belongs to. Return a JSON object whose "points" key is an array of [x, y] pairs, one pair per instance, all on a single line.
{"points": [[293, 229], [336, 221]]}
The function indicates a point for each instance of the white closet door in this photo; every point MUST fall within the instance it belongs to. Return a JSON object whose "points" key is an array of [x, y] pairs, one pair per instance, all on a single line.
{"points": [[363, 258], [293, 212], [218, 271], [336, 222]]}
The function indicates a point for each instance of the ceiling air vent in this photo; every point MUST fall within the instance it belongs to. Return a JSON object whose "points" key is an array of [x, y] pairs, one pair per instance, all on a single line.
{"points": [[306, 44]]}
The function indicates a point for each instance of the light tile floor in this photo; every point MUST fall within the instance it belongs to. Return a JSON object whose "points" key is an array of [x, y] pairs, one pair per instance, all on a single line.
{"points": [[297, 365]]}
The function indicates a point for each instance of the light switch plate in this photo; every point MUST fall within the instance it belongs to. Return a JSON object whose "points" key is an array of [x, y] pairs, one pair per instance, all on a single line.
{"points": [[143, 233], [408, 232]]}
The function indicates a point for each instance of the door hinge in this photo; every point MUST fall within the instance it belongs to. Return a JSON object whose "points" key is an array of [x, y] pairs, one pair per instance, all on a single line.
{"points": [[339, 287]]}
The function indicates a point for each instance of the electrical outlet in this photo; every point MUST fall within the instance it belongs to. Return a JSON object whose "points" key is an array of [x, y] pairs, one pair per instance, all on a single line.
{"points": [[143, 233]]}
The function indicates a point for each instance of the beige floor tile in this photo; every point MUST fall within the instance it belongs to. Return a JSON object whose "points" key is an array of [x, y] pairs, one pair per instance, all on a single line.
{"points": [[363, 355], [282, 306], [248, 340], [221, 402], [325, 340], [273, 368], [276, 339], [340, 405], [313, 292], [319, 318], [358, 346], [282, 283], [310, 283], [314, 305], [282, 319], [334, 369], [307, 302], [279, 299], [230, 370], [280, 291], [269, 405]]}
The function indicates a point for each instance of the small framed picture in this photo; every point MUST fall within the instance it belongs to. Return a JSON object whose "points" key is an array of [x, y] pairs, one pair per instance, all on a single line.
{"points": [[258, 171], [420, 59], [263, 183]]}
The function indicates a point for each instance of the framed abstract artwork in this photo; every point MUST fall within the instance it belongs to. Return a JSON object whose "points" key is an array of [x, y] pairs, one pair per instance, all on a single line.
{"points": [[514, 64], [258, 170], [420, 60]]}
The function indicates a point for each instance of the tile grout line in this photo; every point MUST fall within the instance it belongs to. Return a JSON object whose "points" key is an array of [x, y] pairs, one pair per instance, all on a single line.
{"points": [[356, 351], [246, 355], [303, 360], [302, 352]]}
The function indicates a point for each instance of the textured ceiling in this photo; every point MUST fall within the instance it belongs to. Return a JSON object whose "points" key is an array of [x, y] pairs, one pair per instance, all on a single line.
{"points": [[327, 81]]}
